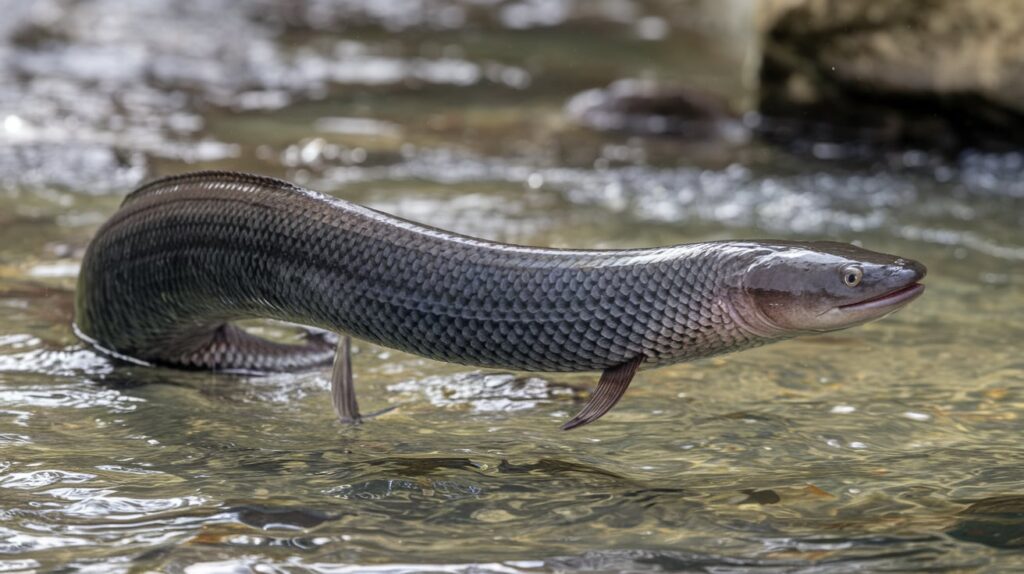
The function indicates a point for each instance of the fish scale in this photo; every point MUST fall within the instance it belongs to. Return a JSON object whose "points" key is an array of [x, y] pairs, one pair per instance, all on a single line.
{"points": [[187, 255]]}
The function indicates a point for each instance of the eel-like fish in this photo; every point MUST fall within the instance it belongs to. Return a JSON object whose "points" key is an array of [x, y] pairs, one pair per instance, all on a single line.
{"points": [[186, 255]]}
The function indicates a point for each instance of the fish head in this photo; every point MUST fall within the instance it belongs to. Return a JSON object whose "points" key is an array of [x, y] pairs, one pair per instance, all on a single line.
{"points": [[807, 287]]}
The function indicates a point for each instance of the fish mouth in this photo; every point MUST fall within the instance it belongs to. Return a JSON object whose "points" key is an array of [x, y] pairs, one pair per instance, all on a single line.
{"points": [[892, 299]]}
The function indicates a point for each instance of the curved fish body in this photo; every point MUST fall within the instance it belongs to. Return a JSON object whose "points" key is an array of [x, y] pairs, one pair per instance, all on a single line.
{"points": [[186, 255]]}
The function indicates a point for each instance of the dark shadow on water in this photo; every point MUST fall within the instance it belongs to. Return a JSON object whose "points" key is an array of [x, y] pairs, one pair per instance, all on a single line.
{"points": [[276, 517], [549, 466], [997, 522]]}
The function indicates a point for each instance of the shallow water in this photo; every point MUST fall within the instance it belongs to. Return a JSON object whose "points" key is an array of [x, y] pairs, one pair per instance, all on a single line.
{"points": [[895, 446]]}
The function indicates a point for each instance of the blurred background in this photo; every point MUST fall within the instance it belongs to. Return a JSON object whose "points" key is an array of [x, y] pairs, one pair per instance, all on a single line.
{"points": [[569, 123]]}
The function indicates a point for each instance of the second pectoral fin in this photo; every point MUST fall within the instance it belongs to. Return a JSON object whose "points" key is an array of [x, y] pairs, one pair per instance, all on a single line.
{"points": [[343, 390], [613, 384]]}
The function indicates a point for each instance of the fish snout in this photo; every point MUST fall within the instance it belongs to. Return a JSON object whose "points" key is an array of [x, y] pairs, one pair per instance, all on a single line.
{"points": [[910, 271]]}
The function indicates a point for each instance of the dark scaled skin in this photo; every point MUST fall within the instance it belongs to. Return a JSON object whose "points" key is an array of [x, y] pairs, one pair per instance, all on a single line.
{"points": [[185, 256]]}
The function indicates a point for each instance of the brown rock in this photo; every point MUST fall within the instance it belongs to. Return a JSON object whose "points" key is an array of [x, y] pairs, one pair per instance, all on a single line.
{"points": [[933, 73]]}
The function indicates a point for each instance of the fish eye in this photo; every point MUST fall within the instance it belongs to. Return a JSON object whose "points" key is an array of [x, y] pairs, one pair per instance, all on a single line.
{"points": [[852, 275]]}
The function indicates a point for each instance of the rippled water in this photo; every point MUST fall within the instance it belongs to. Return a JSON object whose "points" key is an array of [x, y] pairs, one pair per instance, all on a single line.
{"points": [[895, 446]]}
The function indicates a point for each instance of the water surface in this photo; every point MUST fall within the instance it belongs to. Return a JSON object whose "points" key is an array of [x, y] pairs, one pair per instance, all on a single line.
{"points": [[895, 446]]}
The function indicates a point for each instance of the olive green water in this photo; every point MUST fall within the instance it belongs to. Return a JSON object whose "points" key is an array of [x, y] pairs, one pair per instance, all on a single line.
{"points": [[895, 446]]}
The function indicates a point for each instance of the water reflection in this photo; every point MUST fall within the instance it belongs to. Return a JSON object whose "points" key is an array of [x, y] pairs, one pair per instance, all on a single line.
{"points": [[893, 446], [486, 392]]}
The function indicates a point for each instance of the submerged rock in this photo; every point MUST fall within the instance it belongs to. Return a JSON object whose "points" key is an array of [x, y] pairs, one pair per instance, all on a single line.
{"points": [[646, 108], [944, 74], [997, 522]]}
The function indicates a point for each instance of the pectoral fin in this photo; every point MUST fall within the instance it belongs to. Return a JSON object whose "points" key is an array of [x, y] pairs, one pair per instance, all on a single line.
{"points": [[343, 390], [610, 388]]}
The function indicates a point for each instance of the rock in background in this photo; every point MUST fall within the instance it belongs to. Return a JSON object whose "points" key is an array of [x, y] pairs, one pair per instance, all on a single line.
{"points": [[941, 74]]}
